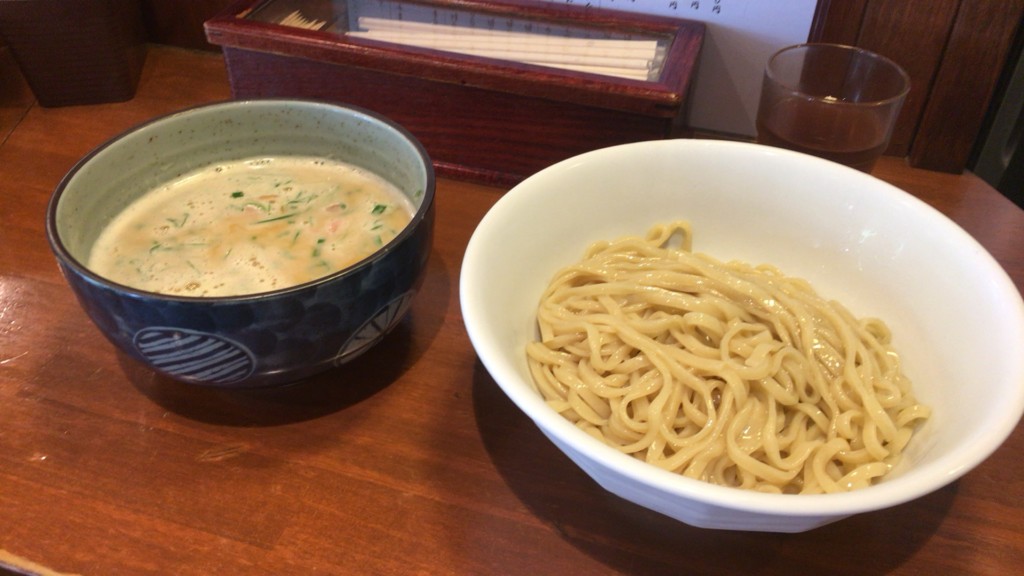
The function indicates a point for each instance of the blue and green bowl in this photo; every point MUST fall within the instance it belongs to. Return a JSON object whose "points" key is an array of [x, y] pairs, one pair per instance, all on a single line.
{"points": [[258, 340]]}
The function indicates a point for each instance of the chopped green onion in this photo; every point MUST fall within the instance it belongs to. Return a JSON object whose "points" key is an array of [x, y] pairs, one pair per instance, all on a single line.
{"points": [[178, 223], [301, 197], [275, 218]]}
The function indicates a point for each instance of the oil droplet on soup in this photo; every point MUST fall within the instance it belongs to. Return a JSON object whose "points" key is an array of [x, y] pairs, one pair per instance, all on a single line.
{"points": [[250, 226]]}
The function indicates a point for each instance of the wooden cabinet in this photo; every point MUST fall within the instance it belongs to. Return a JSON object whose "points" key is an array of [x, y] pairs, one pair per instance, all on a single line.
{"points": [[955, 52]]}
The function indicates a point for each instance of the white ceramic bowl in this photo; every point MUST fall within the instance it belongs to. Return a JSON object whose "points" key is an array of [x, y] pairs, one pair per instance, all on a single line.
{"points": [[957, 318]]}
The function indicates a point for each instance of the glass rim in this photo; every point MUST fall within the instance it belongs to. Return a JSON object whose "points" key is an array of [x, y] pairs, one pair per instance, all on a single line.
{"points": [[857, 50]]}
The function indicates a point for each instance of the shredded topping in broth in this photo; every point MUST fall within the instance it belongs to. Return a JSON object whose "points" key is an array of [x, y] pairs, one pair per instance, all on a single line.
{"points": [[250, 226]]}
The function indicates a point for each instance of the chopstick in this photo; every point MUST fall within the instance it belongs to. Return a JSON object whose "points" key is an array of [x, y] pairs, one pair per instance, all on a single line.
{"points": [[634, 59], [298, 20]]}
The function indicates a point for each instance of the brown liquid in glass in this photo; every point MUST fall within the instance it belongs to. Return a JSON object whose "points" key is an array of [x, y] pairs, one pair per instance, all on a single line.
{"points": [[839, 133]]}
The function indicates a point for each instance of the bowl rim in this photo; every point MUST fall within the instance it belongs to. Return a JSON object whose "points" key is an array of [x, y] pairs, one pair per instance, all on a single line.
{"points": [[422, 212], [892, 492]]}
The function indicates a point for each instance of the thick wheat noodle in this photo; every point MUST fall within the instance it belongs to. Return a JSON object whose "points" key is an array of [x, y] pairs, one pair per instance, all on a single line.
{"points": [[725, 372]]}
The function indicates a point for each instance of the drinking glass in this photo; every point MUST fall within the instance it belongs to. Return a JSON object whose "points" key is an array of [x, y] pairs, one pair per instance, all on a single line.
{"points": [[833, 101]]}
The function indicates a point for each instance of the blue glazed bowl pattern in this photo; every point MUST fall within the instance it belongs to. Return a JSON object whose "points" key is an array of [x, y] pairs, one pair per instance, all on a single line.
{"points": [[263, 339]]}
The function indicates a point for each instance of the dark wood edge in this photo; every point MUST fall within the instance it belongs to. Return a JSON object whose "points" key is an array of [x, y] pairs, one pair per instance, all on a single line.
{"points": [[984, 34], [837, 21]]}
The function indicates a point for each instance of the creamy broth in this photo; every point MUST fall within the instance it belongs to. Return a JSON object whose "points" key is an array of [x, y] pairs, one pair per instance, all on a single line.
{"points": [[250, 226]]}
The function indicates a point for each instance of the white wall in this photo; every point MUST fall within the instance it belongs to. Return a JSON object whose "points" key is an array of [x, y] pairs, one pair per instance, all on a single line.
{"points": [[741, 35]]}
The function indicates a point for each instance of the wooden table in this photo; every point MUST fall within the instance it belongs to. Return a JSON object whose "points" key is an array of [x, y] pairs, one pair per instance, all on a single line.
{"points": [[409, 461]]}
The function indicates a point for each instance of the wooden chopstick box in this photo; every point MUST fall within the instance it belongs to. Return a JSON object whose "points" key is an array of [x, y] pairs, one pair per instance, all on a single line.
{"points": [[483, 119]]}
